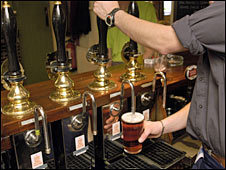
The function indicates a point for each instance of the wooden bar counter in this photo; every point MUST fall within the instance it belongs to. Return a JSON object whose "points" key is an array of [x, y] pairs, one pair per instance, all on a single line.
{"points": [[39, 93]]}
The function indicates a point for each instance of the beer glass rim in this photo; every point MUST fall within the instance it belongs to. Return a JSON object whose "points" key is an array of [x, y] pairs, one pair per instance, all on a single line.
{"points": [[132, 113]]}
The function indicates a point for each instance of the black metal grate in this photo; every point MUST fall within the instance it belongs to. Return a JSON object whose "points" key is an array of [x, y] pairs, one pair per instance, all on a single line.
{"points": [[78, 162], [161, 153], [51, 164], [111, 150], [130, 162]]}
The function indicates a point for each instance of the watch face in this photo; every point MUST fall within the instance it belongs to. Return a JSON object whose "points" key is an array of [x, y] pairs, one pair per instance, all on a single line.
{"points": [[109, 20]]}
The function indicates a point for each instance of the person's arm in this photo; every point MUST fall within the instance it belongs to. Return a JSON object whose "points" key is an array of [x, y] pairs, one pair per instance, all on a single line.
{"points": [[159, 37], [148, 53], [173, 123]]}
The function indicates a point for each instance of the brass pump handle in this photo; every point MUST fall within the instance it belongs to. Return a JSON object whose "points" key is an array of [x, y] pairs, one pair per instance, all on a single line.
{"points": [[102, 30], [9, 29], [59, 26], [133, 10]]}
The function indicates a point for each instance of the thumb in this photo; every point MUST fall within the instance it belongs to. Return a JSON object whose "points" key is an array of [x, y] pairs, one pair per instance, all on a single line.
{"points": [[143, 136]]}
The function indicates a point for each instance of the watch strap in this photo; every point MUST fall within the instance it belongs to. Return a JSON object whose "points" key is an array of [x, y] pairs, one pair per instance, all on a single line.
{"points": [[111, 16]]}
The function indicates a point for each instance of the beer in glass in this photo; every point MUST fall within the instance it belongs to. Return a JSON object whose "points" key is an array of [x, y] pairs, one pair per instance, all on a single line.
{"points": [[132, 127]]}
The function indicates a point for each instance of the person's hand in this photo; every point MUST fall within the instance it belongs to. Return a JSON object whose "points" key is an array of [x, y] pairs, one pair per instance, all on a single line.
{"points": [[109, 122], [151, 129], [211, 2], [102, 8], [113, 116]]}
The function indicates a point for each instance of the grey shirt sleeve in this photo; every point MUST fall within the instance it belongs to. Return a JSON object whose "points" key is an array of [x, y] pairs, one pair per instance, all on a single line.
{"points": [[201, 30]]}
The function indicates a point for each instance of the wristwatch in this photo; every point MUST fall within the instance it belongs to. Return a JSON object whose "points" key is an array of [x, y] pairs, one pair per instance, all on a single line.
{"points": [[110, 18]]}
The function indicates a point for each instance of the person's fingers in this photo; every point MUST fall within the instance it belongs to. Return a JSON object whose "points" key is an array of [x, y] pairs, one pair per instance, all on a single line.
{"points": [[107, 126], [143, 136], [109, 130], [151, 130], [110, 120]]}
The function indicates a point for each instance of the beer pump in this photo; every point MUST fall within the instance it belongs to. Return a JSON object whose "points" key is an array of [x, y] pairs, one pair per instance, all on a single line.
{"points": [[80, 121], [64, 85], [133, 100], [130, 53], [34, 143], [12, 72], [19, 104], [98, 54]]}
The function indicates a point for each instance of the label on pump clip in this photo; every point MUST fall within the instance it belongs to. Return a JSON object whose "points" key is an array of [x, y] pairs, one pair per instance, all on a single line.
{"points": [[80, 147], [116, 132], [146, 114], [37, 161]]}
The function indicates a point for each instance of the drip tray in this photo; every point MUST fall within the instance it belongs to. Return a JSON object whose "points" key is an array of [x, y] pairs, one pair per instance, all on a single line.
{"points": [[112, 151], [162, 153], [77, 162], [130, 162], [51, 164]]}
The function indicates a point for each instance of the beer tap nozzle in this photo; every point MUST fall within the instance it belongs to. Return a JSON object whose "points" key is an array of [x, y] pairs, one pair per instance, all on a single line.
{"points": [[33, 137], [164, 88], [45, 128], [94, 109], [133, 102], [79, 121]]}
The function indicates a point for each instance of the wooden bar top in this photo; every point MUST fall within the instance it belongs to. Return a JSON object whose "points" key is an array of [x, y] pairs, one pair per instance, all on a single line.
{"points": [[39, 93]]}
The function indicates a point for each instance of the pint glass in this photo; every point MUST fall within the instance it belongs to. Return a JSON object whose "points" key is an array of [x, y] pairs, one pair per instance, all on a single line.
{"points": [[132, 127]]}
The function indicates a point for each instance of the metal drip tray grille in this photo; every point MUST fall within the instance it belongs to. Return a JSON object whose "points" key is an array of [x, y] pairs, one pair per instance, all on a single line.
{"points": [[162, 154], [111, 150], [77, 162], [51, 164], [130, 162]]}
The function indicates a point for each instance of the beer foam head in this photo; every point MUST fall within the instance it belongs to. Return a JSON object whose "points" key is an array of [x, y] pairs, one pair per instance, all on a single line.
{"points": [[130, 117]]}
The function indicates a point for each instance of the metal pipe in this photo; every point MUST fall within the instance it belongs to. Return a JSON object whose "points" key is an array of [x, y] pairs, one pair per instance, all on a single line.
{"points": [[94, 108], [133, 107], [164, 88], [44, 122]]}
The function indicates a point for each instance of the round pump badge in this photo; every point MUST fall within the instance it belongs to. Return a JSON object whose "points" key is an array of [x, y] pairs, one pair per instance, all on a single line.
{"points": [[191, 72]]}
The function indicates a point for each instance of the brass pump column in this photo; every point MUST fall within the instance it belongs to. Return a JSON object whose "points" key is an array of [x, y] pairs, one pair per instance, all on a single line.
{"points": [[12, 72], [130, 53], [98, 54], [64, 85]]}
